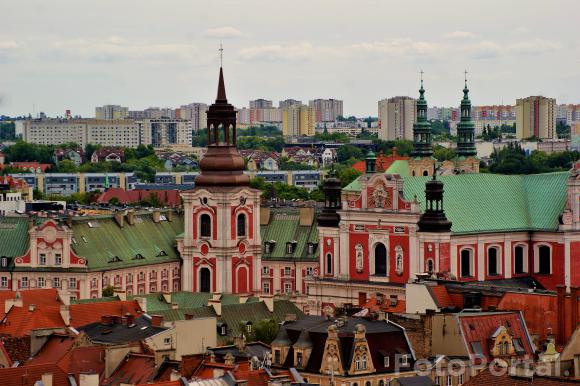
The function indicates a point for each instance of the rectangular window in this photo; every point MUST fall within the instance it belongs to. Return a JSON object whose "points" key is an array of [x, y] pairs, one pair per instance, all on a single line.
{"points": [[460, 379], [277, 357], [287, 271], [58, 259], [404, 360], [42, 259], [265, 270], [56, 282], [309, 271], [266, 288], [386, 362], [4, 282], [167, 341], [24, 282], [72, 283], [287, 288], [40, 282], [449, 380], [298, 359]]}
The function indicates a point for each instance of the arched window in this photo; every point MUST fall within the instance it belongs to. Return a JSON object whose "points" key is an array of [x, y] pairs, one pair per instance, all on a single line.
{"points": [[430, 265], [241, 225], [357, 363], [365, 365], [493, 261], [380, 260], [205, 225], [544, 263], [466, 263], [425, 173], [329, 264], [519, 259]]}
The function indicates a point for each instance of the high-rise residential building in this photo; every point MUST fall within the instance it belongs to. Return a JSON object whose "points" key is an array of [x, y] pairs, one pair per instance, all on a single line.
{"points": [[165, 131], [260, 104], [298, 120], [326, 110], [196, 113], [493, 113], [536, 117], [106, 132], [288, 102], [111, 112], [396, 118], [568, 113]]}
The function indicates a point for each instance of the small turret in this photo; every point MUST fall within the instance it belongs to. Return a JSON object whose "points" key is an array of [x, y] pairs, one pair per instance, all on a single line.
{"points": [[434, 219], [332, 191]]}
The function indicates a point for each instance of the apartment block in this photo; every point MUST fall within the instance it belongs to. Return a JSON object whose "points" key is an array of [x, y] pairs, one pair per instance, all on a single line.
{"points": [[298, 120], [536, 117], [165, 131], [396, 118], [196, 113], [260, 104], [288, 102], [326, 110], [111, 112]]}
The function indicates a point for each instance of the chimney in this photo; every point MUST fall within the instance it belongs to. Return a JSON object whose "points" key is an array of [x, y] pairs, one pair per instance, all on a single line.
{"points": [[47, 379], [561, 298], [130, 318], [188, 316], [268, 301], [240, 343], [131, 217], [174, 306], [156, 320], [156, 216], [169, 215], [217, 306], [306, 216], [264, 215], [119, 218], [106, 320], [65, 314], [88, 379]]}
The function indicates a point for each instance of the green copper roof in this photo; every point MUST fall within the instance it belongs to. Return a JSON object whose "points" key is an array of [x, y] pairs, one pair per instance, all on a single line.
{"points": [[399, 167], [284, 227], [106, 245], [13, 236], [477, 203], [185, 300]]}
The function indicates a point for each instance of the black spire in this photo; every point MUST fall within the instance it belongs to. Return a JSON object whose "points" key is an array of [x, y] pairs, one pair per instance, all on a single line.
{"points": [[434, 219], [332, 191]]}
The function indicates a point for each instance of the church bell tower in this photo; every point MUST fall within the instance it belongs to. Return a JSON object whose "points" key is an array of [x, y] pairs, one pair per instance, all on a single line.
{"points": [[221, 246]]}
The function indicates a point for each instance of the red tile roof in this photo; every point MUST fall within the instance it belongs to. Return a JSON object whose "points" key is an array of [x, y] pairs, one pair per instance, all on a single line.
{"points": [[29, 165], [28, 375], [87, 313], [486, 378], [383, 162], [479, 327], [134, 369], [441, 296], [38, 297], [19, 321], [165, 197], [162, 383], [385, 306]]}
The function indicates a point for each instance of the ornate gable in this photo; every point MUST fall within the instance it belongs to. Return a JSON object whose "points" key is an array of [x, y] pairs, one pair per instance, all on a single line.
{"points": [[362, 362], [331, 358]]}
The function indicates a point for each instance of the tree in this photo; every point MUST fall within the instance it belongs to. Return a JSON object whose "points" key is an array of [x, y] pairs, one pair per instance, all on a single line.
{"points": [[66, 166], [265, 331], [108, 291], [347, 152], [7, 130], [346, 174], [563, 130]]}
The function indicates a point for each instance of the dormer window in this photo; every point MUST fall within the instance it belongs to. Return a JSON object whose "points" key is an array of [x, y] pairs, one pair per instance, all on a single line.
{"points": [[269, 246], [249, 327], [405, 360], [290, 247], [386, 361], [311, 248], [139, 256]]}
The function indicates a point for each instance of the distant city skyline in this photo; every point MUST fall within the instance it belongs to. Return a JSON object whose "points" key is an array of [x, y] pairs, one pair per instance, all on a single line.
{"points": [[149, 54]]}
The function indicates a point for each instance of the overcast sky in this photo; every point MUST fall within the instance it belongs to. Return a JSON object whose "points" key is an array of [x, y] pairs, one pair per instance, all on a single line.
{"points": [[77, 54]]}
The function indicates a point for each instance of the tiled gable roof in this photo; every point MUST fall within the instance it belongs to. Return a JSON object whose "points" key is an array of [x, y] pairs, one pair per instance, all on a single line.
{"points": [[440, 295], [485, 202], [101, 244], [13, 236], [86, 313], [284, 227], [134, 369]]}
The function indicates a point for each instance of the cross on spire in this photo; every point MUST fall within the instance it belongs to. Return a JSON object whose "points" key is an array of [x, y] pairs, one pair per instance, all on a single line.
{"points": [[421, 72], [221, 50], [465, 72]]}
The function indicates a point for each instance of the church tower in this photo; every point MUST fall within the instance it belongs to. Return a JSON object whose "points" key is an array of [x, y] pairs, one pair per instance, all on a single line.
{"points": [[221, 246], [422, 162], [467, 162], [328, 227], [434, 231]]}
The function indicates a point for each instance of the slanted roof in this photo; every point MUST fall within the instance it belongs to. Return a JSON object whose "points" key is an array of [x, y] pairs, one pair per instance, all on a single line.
{"points": [[399, 167], [107, 240], [186, 300], [134, 369], [477, 203], [284, 227], [13, 236], [120, 333], [83, 314]]}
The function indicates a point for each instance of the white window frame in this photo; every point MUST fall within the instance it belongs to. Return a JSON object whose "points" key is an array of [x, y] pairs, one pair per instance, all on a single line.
{"points": [[537, 257], [525, 266], [41, 282], [72, 283], [288, 271], [499, 258], [266, 270], [4, 282], [266, 288], [471, 263], [386, 361], [24, 282], [42, 259], [56, 282], [449, 380], [287, 288]]}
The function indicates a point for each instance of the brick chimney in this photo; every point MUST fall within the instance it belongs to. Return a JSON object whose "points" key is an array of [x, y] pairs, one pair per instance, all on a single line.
{"points": [[131, 217], [156, 320], [156, 216], [169, 215], [264, 215], [306, 216], [119, 218]]}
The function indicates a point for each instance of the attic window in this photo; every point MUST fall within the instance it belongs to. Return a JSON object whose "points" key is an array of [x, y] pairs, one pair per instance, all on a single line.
{"points": [[290, 247], [138, 257], [115, 259], [93, 224], [269, 246], [161, 253], [249, 327], [162, 218], [84, 239], [311, 248], [518, 347]]}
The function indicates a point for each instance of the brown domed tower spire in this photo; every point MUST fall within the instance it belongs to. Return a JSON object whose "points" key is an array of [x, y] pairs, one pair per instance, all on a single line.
{"points": [[222, 165]]}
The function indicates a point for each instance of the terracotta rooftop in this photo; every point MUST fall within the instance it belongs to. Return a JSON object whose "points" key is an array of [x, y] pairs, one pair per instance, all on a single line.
{"points": [[86, 313], [134, 369]]}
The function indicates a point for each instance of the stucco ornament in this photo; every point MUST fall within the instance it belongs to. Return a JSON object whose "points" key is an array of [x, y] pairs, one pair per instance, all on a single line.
{"points": [[359, 258]]}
